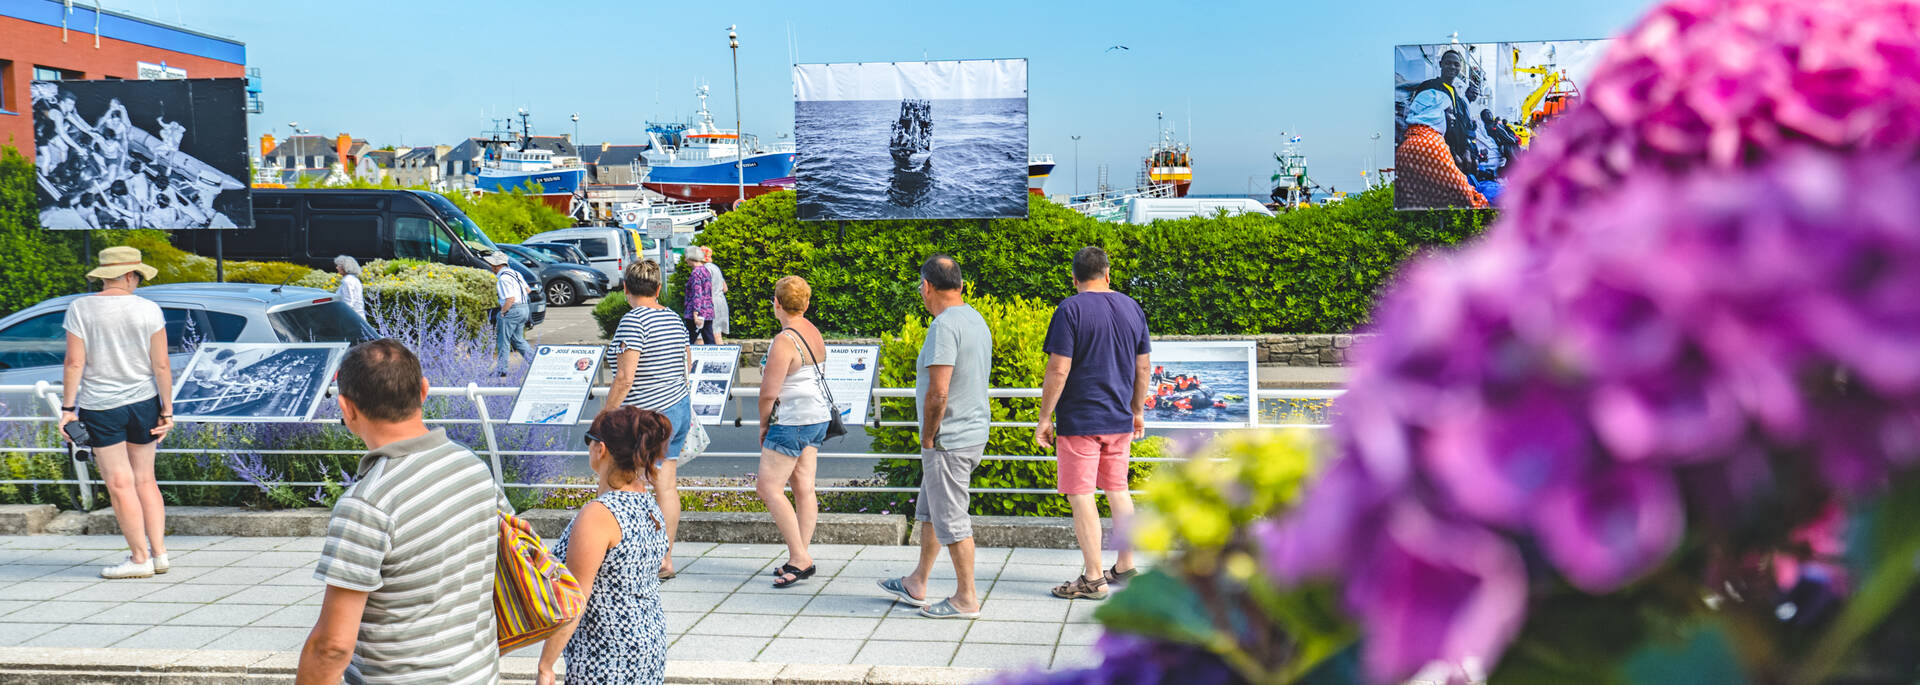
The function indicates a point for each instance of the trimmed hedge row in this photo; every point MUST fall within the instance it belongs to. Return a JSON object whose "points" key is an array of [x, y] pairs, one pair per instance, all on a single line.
{"points": [[1309, 271], [405, 288]]}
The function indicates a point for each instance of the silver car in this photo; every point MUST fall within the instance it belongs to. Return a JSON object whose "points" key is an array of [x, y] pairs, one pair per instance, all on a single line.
{"points": [[33, 341]]}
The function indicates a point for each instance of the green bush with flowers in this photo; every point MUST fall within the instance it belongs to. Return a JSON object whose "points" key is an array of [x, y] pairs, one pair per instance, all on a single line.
{"points": [[1019, 328], [461, 295]]}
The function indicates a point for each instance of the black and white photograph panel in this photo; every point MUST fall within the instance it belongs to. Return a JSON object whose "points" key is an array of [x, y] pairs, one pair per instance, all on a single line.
{"points": [[255, 381], [141, 154], [911, 140]]}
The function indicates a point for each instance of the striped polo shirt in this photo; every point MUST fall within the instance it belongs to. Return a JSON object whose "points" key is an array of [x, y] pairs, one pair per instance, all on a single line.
{"points": [[418, 532], [660, 379]]}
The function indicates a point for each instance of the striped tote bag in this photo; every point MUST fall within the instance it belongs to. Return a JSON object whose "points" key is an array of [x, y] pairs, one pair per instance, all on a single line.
{"points": [[533, 593]]}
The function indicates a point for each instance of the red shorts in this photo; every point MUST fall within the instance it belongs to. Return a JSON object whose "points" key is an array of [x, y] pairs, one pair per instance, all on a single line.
{"points": [[1087, 461]]}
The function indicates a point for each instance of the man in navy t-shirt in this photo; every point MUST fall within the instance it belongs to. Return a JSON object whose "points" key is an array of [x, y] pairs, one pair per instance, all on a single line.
{"points": [[1094, 399]]}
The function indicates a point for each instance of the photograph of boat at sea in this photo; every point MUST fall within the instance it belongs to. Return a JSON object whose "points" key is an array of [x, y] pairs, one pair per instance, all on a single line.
{"points": [[1209, 382], [911, 140]]}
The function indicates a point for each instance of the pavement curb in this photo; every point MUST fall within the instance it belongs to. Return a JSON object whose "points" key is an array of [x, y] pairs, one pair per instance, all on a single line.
{"points": [[106, 666], [695, 526]]}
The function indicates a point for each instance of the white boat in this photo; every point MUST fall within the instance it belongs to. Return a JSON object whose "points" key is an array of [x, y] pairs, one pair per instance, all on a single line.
{"points": [[634, 215]]}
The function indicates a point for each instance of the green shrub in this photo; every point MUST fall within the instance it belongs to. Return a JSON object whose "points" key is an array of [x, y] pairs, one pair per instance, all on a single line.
{"points": [[179, 266], [394, 287], [37, 264], [510, 217], [609, 311], [1019, 327], [1309, 271]]}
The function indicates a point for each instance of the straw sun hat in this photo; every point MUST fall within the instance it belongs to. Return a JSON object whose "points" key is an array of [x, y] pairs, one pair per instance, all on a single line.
{"points": [[117, 261]]}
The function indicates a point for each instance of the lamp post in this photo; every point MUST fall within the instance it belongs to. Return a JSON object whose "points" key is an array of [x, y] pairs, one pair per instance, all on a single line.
{"points": [[576, 128], [739, 138], [1076, 164]]}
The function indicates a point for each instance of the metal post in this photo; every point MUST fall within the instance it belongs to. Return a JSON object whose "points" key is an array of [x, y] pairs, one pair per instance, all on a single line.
{"points": [[45, 391], [1076, 164], [486, 430], [219, 257], [739, 136]]}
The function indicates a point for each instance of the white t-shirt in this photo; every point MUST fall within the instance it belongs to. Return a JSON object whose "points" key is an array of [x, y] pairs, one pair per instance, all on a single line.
{"points": [[349, 293], [117, 331], [509, 284]]}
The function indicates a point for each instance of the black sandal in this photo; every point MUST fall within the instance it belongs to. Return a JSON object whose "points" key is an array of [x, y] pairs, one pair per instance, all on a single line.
{"points": [[798, 575], [786, 569]]}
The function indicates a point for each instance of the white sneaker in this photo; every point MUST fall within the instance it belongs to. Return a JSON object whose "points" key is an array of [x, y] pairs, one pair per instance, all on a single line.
{"points": [[160, 564], [128, 569]]}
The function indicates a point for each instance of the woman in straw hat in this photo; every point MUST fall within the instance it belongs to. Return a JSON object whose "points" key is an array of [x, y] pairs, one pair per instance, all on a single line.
{"points": [[116, 384]]}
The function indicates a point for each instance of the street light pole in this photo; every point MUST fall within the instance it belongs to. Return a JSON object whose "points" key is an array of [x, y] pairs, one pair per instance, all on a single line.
{"points": [[739, 138], [576, 129], [1076, 164]]}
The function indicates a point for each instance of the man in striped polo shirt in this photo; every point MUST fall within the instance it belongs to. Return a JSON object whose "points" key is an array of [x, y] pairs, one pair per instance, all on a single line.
{"points": [[409, 556]]}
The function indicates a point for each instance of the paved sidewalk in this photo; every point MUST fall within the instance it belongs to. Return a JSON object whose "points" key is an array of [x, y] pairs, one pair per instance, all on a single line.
{"points": [[259, 594]]}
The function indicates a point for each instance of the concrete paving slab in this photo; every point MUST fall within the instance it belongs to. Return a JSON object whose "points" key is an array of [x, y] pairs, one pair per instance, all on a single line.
{"points": [[1014, 632], [792, 650], [741, 625], [83, 635], [1002, 657], [716, 648], [174, 637], [906, 653], [830, 627]]}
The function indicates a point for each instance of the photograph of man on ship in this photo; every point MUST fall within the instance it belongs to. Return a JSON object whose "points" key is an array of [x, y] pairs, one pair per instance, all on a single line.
{"points": [[911, 145]]}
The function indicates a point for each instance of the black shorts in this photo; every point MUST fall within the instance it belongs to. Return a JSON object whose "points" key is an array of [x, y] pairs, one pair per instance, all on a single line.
{"points": [[132, 423]]}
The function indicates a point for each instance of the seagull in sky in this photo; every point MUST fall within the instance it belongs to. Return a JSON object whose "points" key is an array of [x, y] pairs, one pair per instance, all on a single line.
{"points": [[1119, 47]]}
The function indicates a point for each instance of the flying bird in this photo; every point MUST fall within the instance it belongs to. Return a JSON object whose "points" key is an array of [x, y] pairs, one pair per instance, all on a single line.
{"points": [[1119, 47]]}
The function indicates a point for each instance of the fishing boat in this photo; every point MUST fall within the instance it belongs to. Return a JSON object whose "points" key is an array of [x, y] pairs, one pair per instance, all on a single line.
{"points": [[1169, 162], [1038, 168], [515, 164], [696, 162], [1292, 188]]}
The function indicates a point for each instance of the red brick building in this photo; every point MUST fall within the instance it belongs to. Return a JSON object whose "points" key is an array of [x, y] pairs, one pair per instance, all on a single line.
{"points": [[48, 40]]}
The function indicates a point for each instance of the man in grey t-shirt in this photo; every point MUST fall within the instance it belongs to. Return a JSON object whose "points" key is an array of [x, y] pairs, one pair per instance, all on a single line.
{"points": [[951, 385]]}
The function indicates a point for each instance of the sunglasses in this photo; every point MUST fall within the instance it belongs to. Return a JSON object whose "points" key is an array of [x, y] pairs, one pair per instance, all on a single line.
{"points": [[590, 438]]}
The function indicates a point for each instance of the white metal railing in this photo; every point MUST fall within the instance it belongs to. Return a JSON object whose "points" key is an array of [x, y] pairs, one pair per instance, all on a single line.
{"points": [[49, 395]]}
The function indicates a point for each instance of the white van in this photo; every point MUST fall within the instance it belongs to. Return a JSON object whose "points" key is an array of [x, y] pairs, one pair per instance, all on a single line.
{"points": [[608, 249], [1146, 210]]}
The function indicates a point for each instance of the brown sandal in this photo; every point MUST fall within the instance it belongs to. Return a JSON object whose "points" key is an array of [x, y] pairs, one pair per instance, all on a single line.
{"points": [[1115, 575], [1082, 588]]}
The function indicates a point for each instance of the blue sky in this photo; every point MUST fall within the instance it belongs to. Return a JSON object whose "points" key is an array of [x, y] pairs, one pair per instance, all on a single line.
{"points": [[419, 71]]}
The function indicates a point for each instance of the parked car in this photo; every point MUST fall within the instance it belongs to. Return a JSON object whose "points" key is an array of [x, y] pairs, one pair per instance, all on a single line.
{"points": [[311, 226], [33, 341], [608, 250], [567, 254], [566, 284]]}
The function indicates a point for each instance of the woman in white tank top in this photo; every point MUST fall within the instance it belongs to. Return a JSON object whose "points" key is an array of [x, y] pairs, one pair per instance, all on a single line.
{"points": [[794, 413]]}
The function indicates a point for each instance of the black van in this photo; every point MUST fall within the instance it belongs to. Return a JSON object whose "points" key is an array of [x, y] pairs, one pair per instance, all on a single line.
{"points": [[312, 226]]}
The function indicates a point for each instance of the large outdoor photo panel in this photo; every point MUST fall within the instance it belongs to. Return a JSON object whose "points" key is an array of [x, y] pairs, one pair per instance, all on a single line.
{"points": [[1463, 112], [255, 381], [911, 140], [166, 154]]}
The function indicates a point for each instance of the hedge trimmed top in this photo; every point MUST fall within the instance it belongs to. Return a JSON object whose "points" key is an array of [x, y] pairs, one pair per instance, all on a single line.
{"points": [[1309, 271]]}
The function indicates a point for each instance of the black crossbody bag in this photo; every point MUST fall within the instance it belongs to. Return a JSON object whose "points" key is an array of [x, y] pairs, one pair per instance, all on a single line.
{"points": [[835, 426]]}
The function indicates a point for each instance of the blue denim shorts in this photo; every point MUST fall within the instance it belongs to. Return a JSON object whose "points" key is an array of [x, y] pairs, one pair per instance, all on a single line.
{"points": [[681, 416], [792, 440]]}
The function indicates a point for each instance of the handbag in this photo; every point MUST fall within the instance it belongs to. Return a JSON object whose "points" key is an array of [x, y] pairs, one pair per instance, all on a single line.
{"points": [[835, 426], [533, 593], [697, 442]]}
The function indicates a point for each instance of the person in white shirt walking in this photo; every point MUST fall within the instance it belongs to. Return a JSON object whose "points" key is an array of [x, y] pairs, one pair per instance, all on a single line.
{"points": [[722, 319], [512, 326], [349, 290], [116, 385]]}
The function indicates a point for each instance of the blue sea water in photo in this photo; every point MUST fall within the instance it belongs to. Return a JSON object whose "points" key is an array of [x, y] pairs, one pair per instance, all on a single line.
{"points": [[977, 168], [1222, 383]]}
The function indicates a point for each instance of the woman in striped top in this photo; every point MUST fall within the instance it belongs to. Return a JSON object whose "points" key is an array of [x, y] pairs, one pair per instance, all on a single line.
{"points": [[650, 359]]}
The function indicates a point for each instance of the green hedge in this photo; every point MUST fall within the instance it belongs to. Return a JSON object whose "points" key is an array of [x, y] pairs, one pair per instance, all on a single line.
{"points": [[1309, 271], [37, 264], [397, 287], [1019, 326]]}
